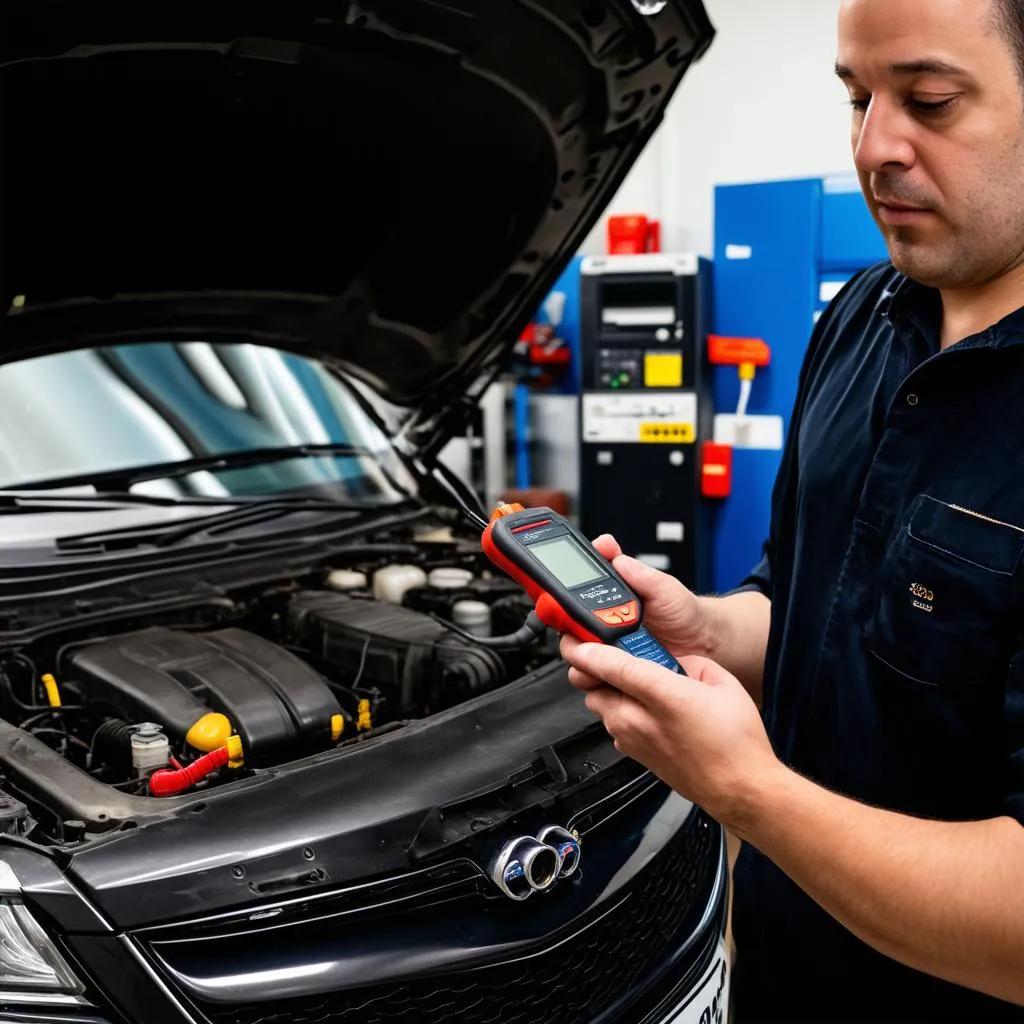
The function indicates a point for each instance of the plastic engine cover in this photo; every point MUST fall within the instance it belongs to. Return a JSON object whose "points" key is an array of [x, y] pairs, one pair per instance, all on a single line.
{"points": [[279, 705], [416, 662]]}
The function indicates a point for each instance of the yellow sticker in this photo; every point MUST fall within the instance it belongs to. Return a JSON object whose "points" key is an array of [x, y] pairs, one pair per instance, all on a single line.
{"points": [[663, 369], [667, 433]]}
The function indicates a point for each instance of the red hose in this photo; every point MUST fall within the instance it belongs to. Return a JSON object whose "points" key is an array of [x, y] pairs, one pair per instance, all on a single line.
{"points": [[167, 783]]}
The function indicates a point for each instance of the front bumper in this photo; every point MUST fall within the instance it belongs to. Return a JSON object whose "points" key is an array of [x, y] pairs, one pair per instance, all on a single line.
{"points": [[641, 952]]}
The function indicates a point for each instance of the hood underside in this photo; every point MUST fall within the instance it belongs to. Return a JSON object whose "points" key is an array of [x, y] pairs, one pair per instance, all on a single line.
{"points": [[389, 185]]}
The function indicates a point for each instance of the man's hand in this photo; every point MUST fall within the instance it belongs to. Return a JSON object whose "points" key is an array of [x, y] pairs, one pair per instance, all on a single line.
{"points": [[702, 735], [731, 630], [941, 897], [671, 612]]}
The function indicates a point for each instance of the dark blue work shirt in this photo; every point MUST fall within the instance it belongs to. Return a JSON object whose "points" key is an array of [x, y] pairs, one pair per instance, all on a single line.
{"points": [[895, 663]]}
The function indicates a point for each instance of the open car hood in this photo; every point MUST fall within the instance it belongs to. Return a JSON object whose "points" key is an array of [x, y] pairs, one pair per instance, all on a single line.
{"points": [[391, 186]]}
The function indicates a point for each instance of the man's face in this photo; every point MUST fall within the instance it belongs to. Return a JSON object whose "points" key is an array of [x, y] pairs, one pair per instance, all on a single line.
{"points": [[938, 134]]}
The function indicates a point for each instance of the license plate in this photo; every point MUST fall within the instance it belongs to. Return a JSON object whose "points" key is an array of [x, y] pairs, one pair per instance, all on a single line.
{"points": [[708, 1003]]}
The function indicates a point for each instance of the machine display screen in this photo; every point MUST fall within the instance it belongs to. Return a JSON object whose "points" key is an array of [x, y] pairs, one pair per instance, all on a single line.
{"points": [[567, 562]]}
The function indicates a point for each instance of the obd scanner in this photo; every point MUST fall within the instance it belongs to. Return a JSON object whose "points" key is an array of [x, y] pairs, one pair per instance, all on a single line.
{"points": [[574, 588]]}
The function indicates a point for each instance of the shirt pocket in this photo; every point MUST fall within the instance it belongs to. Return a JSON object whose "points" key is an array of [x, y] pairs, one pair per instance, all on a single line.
{"points": [[948, 612]]}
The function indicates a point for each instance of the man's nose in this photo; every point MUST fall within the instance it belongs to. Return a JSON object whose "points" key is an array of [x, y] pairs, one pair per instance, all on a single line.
{"points": [[882, 141]]}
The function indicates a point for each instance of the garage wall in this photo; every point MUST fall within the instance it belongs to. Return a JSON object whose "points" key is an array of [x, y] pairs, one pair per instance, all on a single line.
{"points": [[762, 104]]}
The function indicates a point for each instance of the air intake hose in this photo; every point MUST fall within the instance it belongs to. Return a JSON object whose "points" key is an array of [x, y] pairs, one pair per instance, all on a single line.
{"points": [[112, 745], [529, 631]]}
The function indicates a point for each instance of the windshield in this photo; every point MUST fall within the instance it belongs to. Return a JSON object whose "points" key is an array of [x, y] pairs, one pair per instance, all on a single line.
{"points": [[102, 409]]}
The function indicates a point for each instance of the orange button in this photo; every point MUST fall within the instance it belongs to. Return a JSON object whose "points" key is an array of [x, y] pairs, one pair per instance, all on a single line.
{"points": [[622, 615]]}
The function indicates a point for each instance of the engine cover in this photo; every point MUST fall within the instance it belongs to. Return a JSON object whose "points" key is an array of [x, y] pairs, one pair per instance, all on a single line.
{"points": [[419, 664], [277, 704]]}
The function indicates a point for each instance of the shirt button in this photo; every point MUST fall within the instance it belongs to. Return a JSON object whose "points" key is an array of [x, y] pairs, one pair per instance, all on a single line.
{"points": [[912, 399]]}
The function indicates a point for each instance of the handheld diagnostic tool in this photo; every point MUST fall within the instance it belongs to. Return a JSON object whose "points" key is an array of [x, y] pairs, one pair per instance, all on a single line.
{"points": [[572, 585]]}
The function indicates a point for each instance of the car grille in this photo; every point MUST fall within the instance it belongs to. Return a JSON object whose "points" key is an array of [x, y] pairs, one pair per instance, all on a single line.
{"points": [[571, 985]]}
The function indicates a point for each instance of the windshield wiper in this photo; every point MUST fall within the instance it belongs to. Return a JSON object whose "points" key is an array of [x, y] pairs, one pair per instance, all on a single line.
{"points": [[33, 503], [122, 480], [248, 515]]}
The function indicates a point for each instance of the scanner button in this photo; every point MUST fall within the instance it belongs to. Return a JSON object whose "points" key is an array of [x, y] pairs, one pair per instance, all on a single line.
{"points": [[622, 615], [629, 612]]}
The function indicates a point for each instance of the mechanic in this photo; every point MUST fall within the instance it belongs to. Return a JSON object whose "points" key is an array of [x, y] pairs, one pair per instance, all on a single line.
{"points": [[880, 790]]}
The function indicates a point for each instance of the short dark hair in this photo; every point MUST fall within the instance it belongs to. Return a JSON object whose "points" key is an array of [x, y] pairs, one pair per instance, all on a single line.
{"points": [[1010, 22]]}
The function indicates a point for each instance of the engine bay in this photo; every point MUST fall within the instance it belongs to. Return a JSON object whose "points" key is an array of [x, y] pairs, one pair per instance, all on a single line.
{"points": [[186, 700]]}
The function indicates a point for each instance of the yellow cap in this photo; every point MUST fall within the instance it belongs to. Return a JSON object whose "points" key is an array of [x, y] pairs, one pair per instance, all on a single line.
{"points": [[747, 371], [365, 720], [235, 753], [52, 693], [209, 733], [337, 727]]}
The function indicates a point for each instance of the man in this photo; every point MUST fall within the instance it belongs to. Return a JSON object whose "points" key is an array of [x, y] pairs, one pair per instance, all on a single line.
{"points": [[880, 791]]}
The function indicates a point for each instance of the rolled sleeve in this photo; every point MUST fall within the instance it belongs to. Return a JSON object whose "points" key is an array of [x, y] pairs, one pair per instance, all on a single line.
{"points": [[758, 580], [760, 577]]}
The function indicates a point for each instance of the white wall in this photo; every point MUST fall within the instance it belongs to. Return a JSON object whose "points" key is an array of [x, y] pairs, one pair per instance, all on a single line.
{"points": [[763, 104]]}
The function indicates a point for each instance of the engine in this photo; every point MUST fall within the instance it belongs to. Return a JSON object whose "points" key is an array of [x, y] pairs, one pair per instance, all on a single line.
{"points": [[189, 700], [202, 688]]}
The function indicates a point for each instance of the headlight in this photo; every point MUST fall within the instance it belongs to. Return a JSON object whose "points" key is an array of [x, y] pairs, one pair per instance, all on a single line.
{"points": [[650, 7], [31, 968], [28, 959]]}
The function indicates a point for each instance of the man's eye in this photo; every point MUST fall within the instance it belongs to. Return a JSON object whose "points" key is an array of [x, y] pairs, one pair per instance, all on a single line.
{"points": [[859, 104], [933, 108]]}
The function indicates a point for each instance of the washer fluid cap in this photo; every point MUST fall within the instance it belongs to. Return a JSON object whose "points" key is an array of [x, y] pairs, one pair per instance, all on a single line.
{"points": [[472, 616], [391, 582], [346, 579], [450, 578]]}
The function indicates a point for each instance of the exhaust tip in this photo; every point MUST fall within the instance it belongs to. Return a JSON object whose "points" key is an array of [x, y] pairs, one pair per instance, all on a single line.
{"points": [[525, 866], [542, 864], [567, 845]]}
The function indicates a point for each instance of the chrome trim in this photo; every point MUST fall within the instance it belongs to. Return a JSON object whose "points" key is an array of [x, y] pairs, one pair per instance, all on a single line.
{"points": [[153, 976], [60, 999], [614, 803], [721, 881], [246, 914]]}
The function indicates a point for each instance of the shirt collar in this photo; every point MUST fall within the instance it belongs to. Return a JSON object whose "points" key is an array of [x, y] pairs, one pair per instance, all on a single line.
{"points": [[905, 301], [902, 295]]}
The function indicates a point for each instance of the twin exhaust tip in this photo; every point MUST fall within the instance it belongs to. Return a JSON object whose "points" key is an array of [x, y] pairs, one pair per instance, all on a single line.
{"points": [[531, 864]]}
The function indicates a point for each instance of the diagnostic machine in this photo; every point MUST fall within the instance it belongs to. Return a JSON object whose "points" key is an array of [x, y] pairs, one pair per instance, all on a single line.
{"points": [[574, 588]]}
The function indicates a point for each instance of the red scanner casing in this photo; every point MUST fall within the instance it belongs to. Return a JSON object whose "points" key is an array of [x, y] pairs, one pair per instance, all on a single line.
{"points": [[628, 612]]}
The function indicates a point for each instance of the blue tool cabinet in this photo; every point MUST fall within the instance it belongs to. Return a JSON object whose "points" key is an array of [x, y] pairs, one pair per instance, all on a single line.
{"points": [[782, 250]]}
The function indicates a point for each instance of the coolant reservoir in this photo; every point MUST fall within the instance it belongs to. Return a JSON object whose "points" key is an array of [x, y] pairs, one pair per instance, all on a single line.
{"points": [[150, 749], [391, 582], [346, 579], [472, 616], [450, 578]]}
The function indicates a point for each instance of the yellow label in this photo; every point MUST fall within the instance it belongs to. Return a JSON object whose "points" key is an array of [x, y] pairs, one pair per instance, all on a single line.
{"points": [[663, 370], [667, 433]]}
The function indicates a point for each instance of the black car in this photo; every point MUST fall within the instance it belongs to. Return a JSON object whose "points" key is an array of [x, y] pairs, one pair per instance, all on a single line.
{"points": [[258, 762]]}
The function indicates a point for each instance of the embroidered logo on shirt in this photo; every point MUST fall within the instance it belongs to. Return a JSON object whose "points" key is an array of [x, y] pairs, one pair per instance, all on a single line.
{"points": [[923, 597]]}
